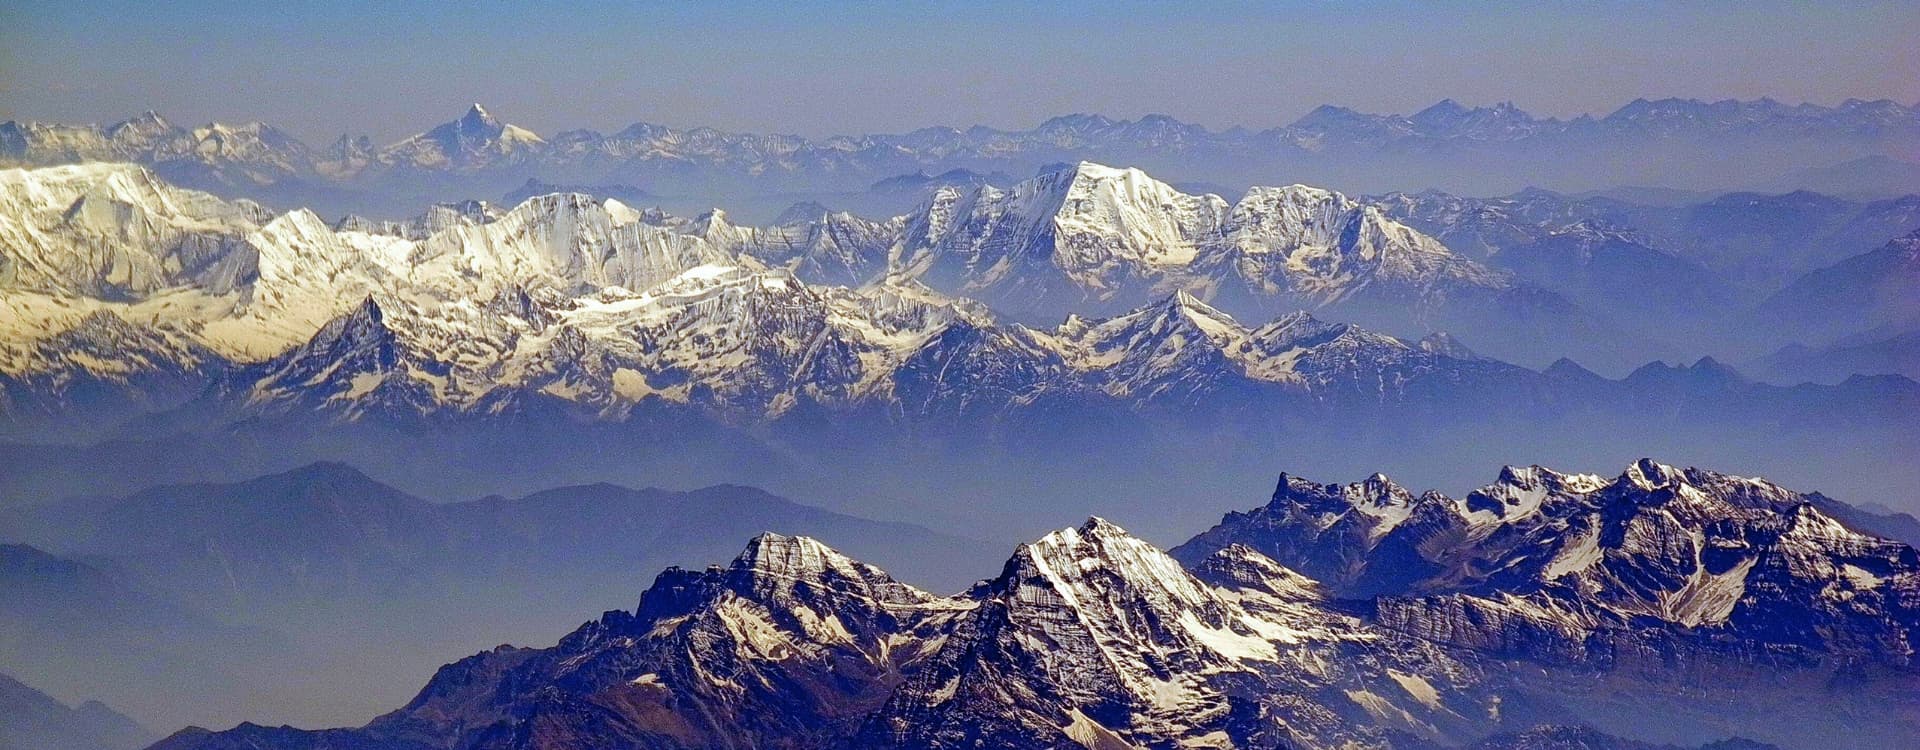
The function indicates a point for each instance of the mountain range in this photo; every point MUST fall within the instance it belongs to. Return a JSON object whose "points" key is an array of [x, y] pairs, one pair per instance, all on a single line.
{"points": [[300, 594], [1674, 142], [1751, 241], [32, 720], [1535, 605], [189, 337]]}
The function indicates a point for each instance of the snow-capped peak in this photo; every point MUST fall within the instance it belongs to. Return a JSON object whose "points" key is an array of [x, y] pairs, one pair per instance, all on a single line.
{"points": [[474, 141], [477, 118], [1648, 474], [797, 558], [1094, 566]]}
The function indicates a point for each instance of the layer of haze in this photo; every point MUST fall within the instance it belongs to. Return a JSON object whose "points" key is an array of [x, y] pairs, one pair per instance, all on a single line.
{"points": [[390, 69]]}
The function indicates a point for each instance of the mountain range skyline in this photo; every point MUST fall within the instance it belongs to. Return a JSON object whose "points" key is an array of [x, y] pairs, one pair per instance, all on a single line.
{"points": [[1110, 298], [1856, 148], [1433, 112], [916, 375], [1565, 596], [766, 67], [252, 528]]}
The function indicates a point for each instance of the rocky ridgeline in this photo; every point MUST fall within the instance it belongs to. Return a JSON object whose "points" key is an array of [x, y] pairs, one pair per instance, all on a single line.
{"points": [[1509, 605]]}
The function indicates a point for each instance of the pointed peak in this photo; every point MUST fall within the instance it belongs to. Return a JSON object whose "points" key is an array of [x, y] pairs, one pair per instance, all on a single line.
{"points": [[1096, 530], [1381, 489], [1536, 477], [1092, 170], [803, 212], [1651, 369], [1510, 474], [365, 322], [1567, 368], [101, 319], [478, 122], [1099, 568], [332, 472], [1179, 313], [792, 556], [1327, 114], [1293, 486], [1292, 194], [772, 540], [1377, 492], [1711, 366], [140, 128], [778, 565], [1077, 121], [1238, 566], [1648, 474], [148, 118], [368, 309], [1184, 303]]}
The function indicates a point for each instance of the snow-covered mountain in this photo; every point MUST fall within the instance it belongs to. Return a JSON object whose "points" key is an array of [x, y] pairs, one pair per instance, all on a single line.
{"points": [[1568, 565], [168, 584], [1871, 294], [1078, 238], [1090, 238], [127, 296], [117, 279], [1091, 234], [1091, 637], [476, 140], [1683, 143], [1083, 230], [1752, 241]]}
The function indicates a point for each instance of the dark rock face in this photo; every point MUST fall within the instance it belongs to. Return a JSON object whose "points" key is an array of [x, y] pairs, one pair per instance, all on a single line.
{"points": [[1504, 620], [789, 646], [1544, 564]]}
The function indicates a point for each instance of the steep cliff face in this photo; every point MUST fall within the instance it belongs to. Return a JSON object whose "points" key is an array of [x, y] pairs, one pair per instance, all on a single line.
{"points": [[791, 645], [1544, 562], [1090, 637]]}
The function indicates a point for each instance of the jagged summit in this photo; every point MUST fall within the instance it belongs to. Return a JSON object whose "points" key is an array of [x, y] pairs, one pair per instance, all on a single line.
{"points": [[1080, 563], [476, 140], [477, 115], [1091, 637], [798, 558], [1713, 555], [625, 311]]}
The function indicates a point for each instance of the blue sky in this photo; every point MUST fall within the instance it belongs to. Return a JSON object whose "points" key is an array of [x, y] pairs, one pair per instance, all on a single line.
{"points": [[389, 69]]}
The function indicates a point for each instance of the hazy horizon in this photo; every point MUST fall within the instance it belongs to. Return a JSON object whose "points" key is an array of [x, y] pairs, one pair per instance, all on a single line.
{"points": [[1041, 437], [389, 72]]}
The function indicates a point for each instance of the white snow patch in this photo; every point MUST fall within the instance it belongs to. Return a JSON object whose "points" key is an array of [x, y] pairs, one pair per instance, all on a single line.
{"points": [[650, 679], [1418, 687], [1581, 554]]}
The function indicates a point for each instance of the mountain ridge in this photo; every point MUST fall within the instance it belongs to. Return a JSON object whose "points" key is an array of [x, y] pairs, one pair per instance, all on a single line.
{"points": [[482, 155], [1091, 637]]}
